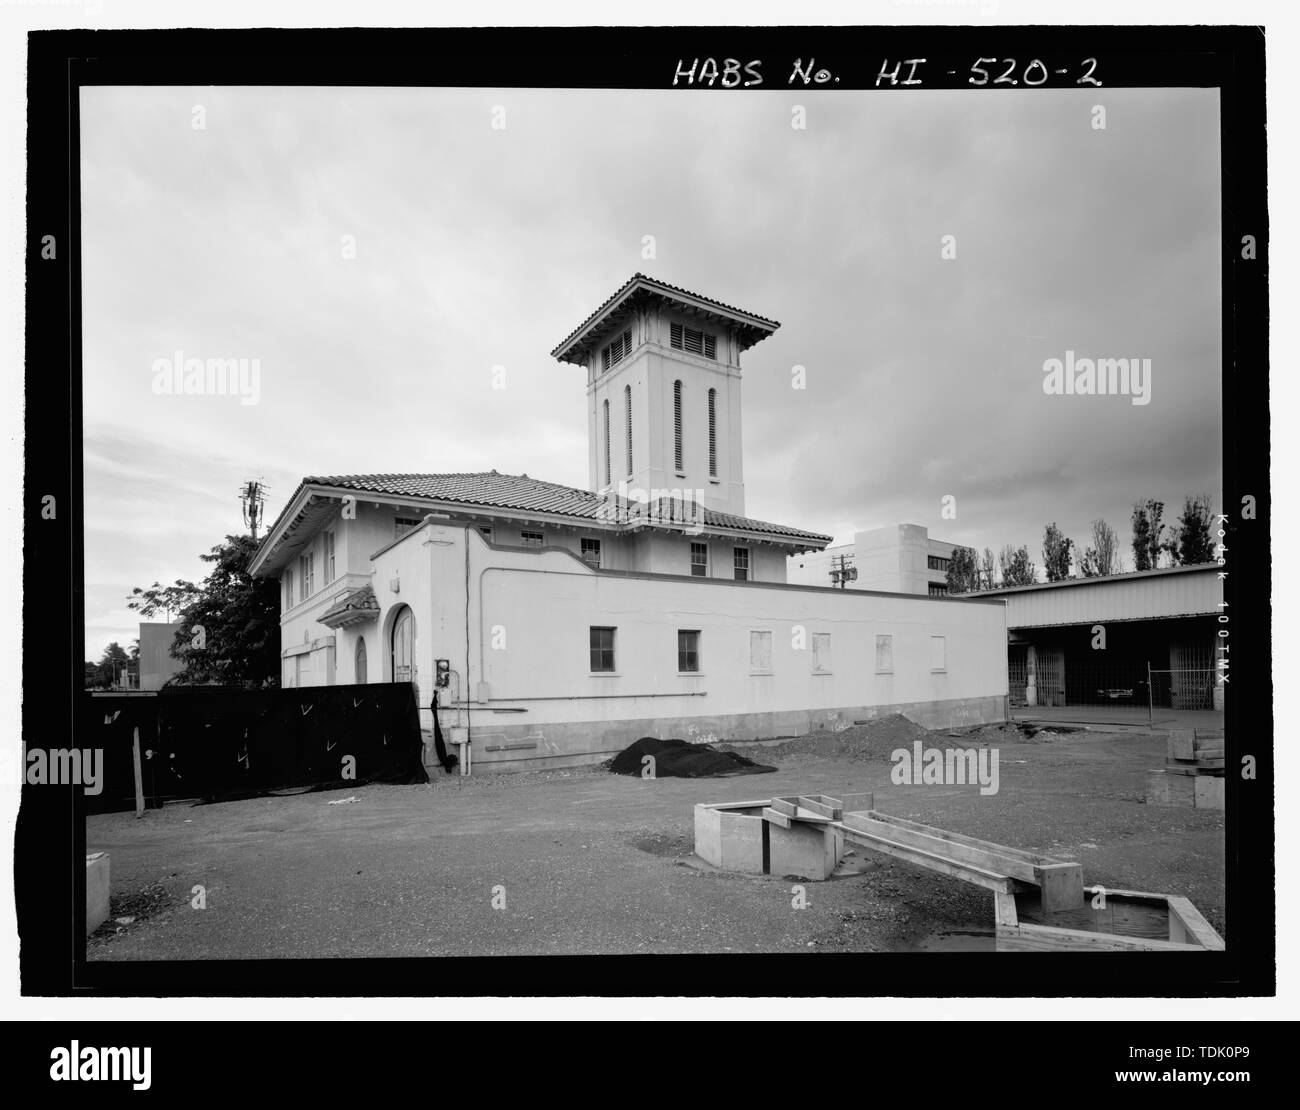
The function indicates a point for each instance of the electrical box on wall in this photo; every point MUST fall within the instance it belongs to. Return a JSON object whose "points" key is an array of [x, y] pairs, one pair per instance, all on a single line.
{"points": [[442, 677]]}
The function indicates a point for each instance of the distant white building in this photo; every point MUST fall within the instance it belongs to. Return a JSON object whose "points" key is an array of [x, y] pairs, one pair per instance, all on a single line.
{"points": [[899, 558], [560, 624]]}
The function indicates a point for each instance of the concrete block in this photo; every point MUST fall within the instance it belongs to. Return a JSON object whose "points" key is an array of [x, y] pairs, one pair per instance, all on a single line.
{"points": [[804, 850], [1209, 792], [1170, 790], [742, 842], [708, 834], [96, 890], [1182, 743]]}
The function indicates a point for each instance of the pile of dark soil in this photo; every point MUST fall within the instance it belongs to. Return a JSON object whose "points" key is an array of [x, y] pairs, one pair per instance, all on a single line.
{"points": [[863, 740], [681, 759]]}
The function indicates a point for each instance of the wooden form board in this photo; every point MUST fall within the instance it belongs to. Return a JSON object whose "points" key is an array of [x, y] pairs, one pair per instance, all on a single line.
{"points": [[1012, 936]]}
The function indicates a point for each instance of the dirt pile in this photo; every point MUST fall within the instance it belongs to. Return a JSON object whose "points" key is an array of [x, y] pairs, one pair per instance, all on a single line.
{"points": [[865, 741], [681, 759]]}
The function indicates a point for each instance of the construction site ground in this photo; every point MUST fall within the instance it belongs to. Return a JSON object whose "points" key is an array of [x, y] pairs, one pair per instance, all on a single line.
{"points": [[584, 861]]}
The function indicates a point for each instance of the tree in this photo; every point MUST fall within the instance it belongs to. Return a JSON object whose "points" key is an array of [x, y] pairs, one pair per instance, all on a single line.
{"points": [[963, 575], [1148, 534], [1102, 556], [1056, 553], [1016, 568], [162, 599], [108, 671], [988, 570], [1191, 542], [229, 630]]}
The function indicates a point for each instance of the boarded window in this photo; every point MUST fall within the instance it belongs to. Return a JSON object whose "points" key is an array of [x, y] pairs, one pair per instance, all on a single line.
{"points": [[760, 651], [713, 433], [884, 654], [821, 652], [602, 649], [677, 425], [692, 340], [608, 478], [699, 560], [938, 653], [688, 650], [591, 552], [288, 589], [627, 410], [617, 351]]}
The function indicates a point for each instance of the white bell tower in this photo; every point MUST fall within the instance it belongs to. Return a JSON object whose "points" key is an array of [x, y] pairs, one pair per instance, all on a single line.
{"points": [[663, 393]]}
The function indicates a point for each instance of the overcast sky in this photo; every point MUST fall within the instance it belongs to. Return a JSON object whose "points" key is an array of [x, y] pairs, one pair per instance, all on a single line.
{"points": [[478, 247]]}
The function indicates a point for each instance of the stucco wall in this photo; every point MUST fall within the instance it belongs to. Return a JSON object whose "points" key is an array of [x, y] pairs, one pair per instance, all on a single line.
{"points": [[528, 616]]}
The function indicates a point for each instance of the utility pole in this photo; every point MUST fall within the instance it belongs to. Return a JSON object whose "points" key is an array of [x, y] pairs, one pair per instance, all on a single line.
{"points": [[252, 494], [841, 572]]}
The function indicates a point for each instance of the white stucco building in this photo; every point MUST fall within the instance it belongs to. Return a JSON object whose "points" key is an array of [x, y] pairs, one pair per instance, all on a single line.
{"points": [[561, 624], [898, 558]]}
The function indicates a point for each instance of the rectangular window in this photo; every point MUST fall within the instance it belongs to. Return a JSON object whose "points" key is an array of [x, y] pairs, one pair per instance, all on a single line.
{"points": [[937, 590], [938, 653], [602, 649], [713, 433], [741, 564], [692, 340], [591, 552], [306, 575], [821, 651], [936, 562], [677, 425], [404, 524], [760, 651], [699, 560], [288, 589], [688, 650], [884, 654], [485, 530], [329, 557], [532, 539], [617, 351]]}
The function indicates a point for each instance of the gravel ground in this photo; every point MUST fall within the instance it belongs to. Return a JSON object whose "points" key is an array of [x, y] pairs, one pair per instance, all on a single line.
{"points": [[583, 861]]}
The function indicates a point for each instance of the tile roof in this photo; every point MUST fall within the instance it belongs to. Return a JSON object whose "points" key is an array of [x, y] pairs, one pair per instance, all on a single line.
{"points": [[520, 493], [640, 280]]}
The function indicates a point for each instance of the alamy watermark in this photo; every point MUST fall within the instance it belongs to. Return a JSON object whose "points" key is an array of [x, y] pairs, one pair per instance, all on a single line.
{"points": [[214, 377], [676, 506], [945, 767], [1124, 377]]}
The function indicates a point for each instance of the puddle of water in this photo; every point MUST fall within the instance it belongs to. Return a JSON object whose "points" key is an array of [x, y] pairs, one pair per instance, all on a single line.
{"points": [[1119, 916]]}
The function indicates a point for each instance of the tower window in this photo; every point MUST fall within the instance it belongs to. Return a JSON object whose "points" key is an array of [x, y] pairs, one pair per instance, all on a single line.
{"points": [[617, 351], [608, 477], [627, 408], [677, 425], [713, 433], [693, 341]]}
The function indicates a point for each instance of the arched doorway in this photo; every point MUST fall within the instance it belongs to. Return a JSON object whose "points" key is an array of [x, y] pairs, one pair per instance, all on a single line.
{"points": [[403, 647], [361, 662]]}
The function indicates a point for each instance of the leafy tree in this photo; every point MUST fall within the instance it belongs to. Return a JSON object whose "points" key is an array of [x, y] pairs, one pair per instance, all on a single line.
{"points": [[1191, 542], [1016, 568], [963, 576], [229, 630], [162, 599], [1148, 533], [108, 671], [1056, 553], [988, 569], [1102, 556]]}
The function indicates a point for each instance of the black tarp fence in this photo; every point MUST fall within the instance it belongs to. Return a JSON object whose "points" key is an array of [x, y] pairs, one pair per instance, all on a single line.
{"points": [[215, 743]]}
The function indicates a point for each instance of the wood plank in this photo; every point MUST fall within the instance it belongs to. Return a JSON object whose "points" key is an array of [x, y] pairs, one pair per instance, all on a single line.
{"points": [[785, 805], [958, 838], [1194, 923], [956, 850], [815, 803], [139, 774], [1046, 938], [1002, 884], [776, 817]]}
